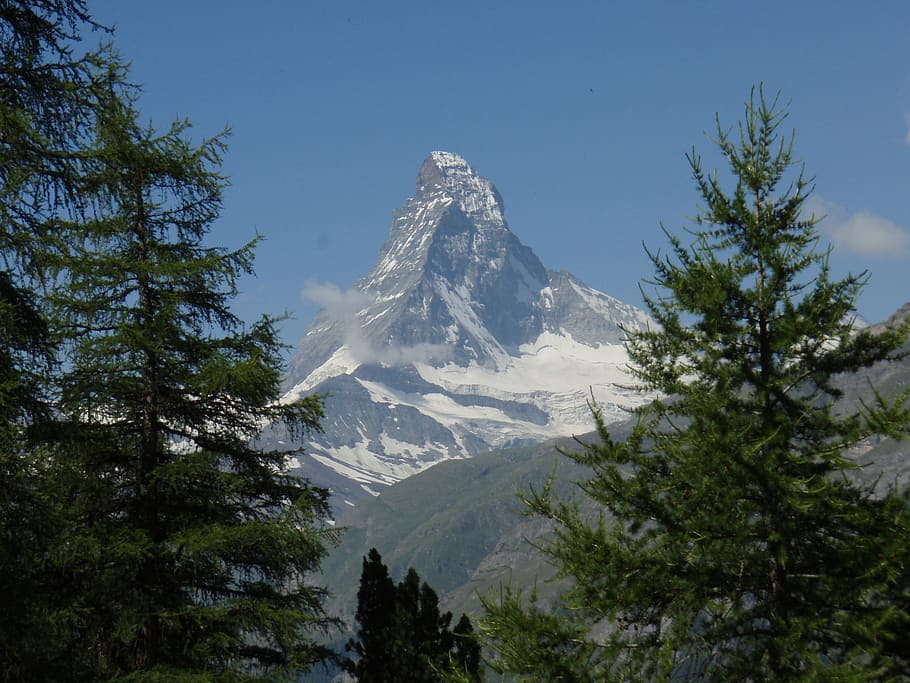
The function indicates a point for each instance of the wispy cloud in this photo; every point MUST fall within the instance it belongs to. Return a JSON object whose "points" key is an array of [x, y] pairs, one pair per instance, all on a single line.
{"points": [[862, 232], [344, 306], [338, 303]]}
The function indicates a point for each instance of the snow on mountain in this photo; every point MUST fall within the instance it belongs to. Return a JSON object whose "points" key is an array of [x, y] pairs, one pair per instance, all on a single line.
{"points": [[457, 342]]}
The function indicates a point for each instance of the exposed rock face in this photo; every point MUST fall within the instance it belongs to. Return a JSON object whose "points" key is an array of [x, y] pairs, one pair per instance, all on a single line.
{"points": [[458, 341]]}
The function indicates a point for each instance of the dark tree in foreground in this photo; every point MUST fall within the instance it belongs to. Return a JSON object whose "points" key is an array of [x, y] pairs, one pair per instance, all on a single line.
{"points": [[44, 108], [733, 542], [402, 637], [466, 653], [375, 612], [189, 552]]}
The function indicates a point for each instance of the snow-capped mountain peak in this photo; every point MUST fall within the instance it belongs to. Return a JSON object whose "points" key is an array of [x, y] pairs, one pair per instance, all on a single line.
{"points": [[452, 176], [459, 341]]}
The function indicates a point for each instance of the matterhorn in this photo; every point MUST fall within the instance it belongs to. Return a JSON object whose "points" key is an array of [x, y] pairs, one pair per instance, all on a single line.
{"points": [[459, 341]]}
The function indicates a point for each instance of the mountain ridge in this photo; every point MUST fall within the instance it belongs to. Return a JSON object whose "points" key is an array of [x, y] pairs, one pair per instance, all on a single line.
{"points": [[459, 524], [458, 341]]}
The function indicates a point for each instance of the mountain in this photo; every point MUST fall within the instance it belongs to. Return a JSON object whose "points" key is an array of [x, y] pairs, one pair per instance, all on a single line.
{"points": [[459, 523], [459, 341]]}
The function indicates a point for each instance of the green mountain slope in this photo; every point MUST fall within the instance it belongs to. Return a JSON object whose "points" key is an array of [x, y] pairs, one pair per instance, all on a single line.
{"points": [[459, 524]]}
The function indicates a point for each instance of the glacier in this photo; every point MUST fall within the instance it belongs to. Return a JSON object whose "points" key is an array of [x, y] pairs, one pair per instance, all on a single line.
{"points": [[462, 341]]}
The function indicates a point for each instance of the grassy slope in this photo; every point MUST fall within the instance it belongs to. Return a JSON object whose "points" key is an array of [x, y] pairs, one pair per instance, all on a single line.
{"points": [[459, 523]]}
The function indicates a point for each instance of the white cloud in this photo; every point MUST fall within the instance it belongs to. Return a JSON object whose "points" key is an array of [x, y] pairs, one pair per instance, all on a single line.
{"points": [[344, 306], [862, 232], [341, 306], [406, 355], [337, 302]]}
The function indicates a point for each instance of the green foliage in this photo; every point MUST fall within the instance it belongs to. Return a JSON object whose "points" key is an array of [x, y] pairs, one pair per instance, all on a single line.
{"points": [[186, 550], [375, 610], [733, 542], [142, 537], [43, 108], [402, 636], [465, 657]]}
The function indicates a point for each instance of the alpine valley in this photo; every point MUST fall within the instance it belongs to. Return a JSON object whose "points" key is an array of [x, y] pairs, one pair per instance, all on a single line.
{"points": [[458, 342], [461, 346], [460, 524]]}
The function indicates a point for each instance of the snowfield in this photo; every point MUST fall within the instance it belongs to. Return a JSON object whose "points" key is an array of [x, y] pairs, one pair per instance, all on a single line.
{"points": [[555, 373], [502, 351]]}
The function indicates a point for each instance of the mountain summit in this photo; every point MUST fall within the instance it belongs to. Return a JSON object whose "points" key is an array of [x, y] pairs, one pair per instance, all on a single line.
{"points": [[458, 341]]}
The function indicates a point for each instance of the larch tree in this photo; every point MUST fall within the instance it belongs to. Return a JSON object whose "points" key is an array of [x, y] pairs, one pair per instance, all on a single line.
{"points": [[189, 551], [44, 110], [729, 538]]}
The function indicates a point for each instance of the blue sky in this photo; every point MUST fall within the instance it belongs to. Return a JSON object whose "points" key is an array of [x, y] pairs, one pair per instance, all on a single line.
{"points": [[580, 112]]}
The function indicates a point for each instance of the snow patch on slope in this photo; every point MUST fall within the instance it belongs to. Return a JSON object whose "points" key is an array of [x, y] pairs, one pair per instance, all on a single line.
{"points": [[607, 306], [492, 424], [555, 373], [552, 363], [359, 463], [342, 362]]}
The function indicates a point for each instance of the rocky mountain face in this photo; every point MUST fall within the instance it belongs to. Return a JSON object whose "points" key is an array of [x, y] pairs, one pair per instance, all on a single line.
{"points": [[457, 342], [460, 527]]}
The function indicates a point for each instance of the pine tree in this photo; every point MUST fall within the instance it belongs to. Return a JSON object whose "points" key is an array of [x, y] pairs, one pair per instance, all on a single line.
{"points": [[44, 110], [435, 642], [466, 654], [189, 551], [375, 609], [402, 635], [407, 662], [732, 542]]}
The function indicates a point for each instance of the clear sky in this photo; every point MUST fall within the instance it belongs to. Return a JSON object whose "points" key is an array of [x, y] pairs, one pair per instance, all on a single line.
{"points": [[580, 112]]}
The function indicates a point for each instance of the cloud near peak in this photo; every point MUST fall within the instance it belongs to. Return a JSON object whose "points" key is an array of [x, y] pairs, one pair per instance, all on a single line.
{"points": [[862, 232], [344, 306], [338, 302]]}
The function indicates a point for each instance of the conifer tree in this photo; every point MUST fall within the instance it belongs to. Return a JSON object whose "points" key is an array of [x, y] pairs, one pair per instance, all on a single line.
{"points": [[402, 635], [375, 610], [732, 542], [189, 551], [435, 642], [407, 662], [466, 654], [44, 110]]}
